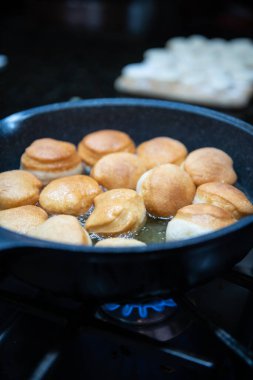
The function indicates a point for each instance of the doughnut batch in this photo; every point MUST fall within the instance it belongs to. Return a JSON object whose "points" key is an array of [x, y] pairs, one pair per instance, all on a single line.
{"points": [[46, 198]]}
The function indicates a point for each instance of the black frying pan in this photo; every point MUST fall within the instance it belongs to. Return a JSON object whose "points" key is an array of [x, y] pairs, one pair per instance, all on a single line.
{"points": [[124, 273]]}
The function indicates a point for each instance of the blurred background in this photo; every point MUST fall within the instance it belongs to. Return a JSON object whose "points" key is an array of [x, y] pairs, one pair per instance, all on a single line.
{"points": [[60, 50]]}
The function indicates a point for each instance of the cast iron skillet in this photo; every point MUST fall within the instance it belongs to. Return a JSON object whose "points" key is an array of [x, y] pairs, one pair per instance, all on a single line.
{"points": [[125, 273]]}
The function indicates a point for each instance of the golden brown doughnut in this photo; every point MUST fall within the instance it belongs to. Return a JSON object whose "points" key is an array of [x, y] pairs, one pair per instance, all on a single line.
{"points": [[72, 195], [197, 219], [18, 188], [49, 159], [161, 150], [119, 242], [118, 170], [97, 144], [63, 229], [225, 196], [22, 219], [116, 212], [165, 189], [210, 165]]}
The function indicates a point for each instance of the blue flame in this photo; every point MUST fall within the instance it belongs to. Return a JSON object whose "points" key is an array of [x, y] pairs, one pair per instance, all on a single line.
{"points": [[142, 309]]}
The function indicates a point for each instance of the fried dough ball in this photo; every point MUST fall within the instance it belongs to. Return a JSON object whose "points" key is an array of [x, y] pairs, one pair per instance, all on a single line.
{"points": [[97, 144], [225, 196], [118, 170], [117, 212], [119, 242], [22, 219], [197, 219], [62, 229], [161, 150], [49, 159], [18, 188], [210, 165], [165, 189], [70, 195]]}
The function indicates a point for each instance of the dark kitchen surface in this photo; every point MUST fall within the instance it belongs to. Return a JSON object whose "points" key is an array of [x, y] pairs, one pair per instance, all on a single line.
{"points": [[41, 337], [54, 55]]}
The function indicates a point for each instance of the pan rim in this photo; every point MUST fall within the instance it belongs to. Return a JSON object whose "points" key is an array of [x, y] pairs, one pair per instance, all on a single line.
{"points": [[19, 240], [96, 102]]}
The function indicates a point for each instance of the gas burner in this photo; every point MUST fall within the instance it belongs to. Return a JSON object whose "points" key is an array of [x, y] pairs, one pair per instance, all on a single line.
{"points": [[141, 313]]}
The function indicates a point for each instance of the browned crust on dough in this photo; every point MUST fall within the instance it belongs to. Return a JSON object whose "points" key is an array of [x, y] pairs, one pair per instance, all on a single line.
{"points": [[97, 144]]}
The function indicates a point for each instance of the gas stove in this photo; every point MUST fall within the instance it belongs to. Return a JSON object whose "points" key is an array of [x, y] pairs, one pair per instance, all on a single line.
{"points": [[206, 332]]}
